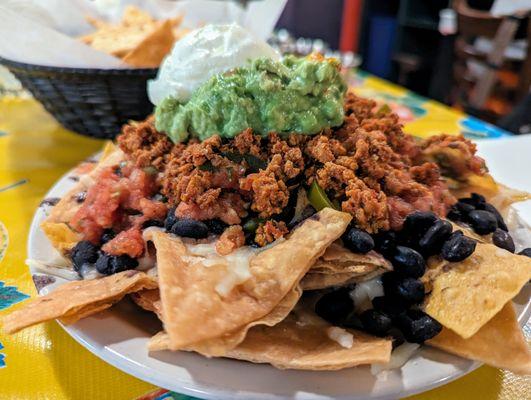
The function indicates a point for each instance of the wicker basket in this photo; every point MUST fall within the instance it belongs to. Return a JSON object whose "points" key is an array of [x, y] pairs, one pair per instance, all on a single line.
{"points": [[93, 102]]}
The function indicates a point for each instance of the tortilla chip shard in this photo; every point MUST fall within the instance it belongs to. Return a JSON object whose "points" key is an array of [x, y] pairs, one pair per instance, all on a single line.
{"points": [[499, 343], [78, 299], [219, 346], [466, 295], [290, 345], [153, 48], [193, 311], [339, 266]]}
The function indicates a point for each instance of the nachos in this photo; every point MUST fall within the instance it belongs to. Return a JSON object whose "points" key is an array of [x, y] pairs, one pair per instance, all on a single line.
{"points": [[271, 215]]}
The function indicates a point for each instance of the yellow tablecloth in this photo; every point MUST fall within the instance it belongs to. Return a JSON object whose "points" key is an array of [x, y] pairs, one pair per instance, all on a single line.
{"points": [[44, 362]]}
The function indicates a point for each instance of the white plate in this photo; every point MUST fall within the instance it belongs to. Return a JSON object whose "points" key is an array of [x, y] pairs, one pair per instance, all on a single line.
{"points": [[119, 336]]}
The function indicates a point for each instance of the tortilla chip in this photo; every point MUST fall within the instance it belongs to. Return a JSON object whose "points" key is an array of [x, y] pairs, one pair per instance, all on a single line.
{"points": [[135, 16], [499, 343], [220, 346], [339, 266], [467, 294], [56, 227], [149, 300], [193, 311], [292, 345], [150, 52], [499, 195], [75, 300]]}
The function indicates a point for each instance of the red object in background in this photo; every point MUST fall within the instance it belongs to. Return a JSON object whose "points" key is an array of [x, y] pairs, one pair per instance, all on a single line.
{"points": [[350, 25]]}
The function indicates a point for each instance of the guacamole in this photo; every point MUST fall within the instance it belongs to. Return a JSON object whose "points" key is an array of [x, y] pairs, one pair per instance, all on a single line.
{"points": [[302, 95]]}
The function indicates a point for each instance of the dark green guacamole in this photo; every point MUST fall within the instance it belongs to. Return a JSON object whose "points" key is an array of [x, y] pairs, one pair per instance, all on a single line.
{"points": [[301, 95]]}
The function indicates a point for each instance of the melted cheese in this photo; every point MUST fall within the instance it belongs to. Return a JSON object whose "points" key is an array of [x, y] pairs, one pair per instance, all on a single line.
{"points": [[341, 336], [236, 263]]}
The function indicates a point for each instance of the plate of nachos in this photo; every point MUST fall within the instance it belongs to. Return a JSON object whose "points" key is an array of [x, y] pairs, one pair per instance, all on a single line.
{"points": [[268, 234]]}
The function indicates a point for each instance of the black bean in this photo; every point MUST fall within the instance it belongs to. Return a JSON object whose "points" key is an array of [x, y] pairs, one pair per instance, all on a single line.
{"points": [[108, 264], [483, 222], [434, 238], [390, 306], [352, 321], [385, 242], [84, 252], [525, 252], [499, 218], [170, 219], [107, 236], [335, 306], [503, 240], [216, 226], [408, 290], [454, 214], [457, 247], [358, 241], [476, 200], [408, 262], [418, 222], [459, 211], [375, 322], [417, 326], [191, 228], [249, 239]]}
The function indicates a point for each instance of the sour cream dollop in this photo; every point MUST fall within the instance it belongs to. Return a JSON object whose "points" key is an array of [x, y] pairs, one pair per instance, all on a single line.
{"points": [[201, 54]]}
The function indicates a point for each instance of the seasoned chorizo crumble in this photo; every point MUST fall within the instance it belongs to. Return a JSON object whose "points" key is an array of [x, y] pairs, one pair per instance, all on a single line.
{"points": [[368, 167]]}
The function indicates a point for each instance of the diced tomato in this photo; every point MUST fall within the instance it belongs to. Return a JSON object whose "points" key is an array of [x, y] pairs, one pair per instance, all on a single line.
{"points": [[128, 242], [120, 199], [100, 206]]}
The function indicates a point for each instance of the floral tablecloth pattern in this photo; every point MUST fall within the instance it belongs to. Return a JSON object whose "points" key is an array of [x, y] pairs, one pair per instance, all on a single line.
{"points": [[44, 362]]}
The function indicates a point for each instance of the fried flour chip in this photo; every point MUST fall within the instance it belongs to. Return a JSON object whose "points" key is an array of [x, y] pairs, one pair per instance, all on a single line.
{"points": [[78, 299], [193, 307]]}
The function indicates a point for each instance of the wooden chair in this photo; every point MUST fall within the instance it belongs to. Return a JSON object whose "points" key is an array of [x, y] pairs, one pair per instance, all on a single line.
{"points": [[472, 24]]}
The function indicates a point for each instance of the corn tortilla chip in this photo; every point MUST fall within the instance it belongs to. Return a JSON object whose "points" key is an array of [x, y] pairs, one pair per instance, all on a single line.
{"points": [[56, 227], [499, 343], [292, 345], [149, 300], [339, 266], [467, 294], [153, 48], [78, 299], [193, 311], [220, 346]]}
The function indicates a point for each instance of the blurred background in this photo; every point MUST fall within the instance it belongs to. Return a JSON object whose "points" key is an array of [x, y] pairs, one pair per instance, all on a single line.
{"points": [[472, 55], [469, 54]]}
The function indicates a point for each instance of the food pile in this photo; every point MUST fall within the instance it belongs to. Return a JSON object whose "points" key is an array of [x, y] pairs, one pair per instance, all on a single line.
{"points": [[138, 39], [314, 248]]}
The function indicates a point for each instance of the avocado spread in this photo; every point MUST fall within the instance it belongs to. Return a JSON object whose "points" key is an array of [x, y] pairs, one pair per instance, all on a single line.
{"points": [[302, 95]]}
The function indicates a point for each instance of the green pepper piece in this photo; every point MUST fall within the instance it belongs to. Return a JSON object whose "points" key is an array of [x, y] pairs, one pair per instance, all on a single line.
{"points": [[383, 110], [318, 198], [150, 170], [251, 225]]}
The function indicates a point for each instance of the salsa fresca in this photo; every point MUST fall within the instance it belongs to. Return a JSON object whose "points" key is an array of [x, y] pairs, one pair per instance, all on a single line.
{"points": [[120, 201]]}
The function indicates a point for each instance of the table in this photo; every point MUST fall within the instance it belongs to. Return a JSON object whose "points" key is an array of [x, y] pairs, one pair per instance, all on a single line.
{"points": [[44, 362]]}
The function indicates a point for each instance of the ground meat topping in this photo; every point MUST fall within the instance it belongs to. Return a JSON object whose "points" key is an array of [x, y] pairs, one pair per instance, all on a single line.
{"points": [[232, 238], [145, 144], [270, 231], [455, 155], [269, 195], [368, 166]]}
